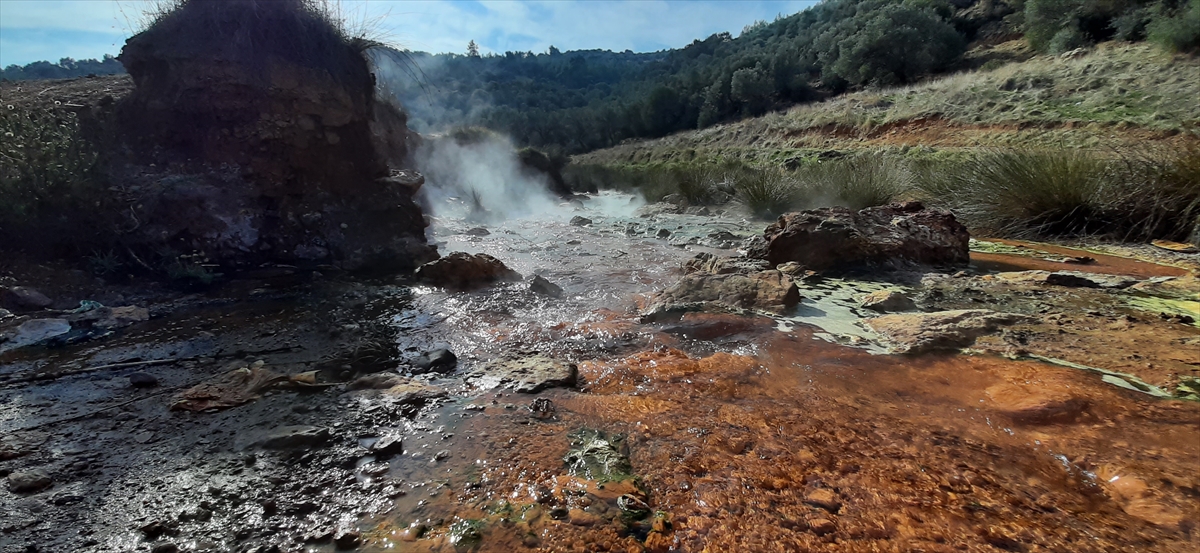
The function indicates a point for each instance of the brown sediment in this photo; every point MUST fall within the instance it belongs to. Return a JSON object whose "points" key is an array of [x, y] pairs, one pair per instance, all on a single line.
{"points": [[809, 446], [1106, 264]]}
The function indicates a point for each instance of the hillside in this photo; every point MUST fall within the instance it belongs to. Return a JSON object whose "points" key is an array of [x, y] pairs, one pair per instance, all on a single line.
{"points": [[1114, 96]]}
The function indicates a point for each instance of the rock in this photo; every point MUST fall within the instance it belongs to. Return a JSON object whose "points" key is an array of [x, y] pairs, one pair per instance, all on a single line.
{"points": [[34, 332], [921, 332], [165, 548], [120, 317], [822, 526], [347, 540], [886, 301], [29, 481], [716, 265], [463, 270], [770, 291], [439, 361], [388, 445], [1078, 279], [663, 233], [292, 437], [526, 376], [142, 380], [22, 297], [477, 231], [839, 239], [578, 221], [544, 287], [824, 499], [675, 200], [580, 517], [5, 314]]}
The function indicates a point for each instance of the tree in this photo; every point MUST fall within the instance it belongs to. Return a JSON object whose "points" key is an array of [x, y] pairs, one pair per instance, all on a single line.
{"points": [[472, 50]]}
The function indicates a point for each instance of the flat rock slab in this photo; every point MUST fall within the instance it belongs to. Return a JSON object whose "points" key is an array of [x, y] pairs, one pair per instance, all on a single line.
{"points": [[1069, 279], [29, 481], [770, 291], [398, 389], [921, 332], [527, 376], [887, 301], [35, 331]]}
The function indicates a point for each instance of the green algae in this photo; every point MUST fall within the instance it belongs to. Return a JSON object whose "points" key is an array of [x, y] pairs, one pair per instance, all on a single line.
{"points": [[597, 456]]}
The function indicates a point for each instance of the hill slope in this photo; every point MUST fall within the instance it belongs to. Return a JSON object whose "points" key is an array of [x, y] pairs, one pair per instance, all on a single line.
{"points": [[1117, 95]]}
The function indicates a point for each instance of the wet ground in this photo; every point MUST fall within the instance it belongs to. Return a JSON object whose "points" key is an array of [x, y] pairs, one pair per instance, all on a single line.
{"points": [[742, 432]]}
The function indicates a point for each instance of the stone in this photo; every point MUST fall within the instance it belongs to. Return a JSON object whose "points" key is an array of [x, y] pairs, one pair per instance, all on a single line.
{"points": [[464, 271], [822, 526], [578, 221], [839, 239], [527, 376], [121, 317], [663, 233], [770, 291], [477, 231], [142, 380], [674, 199], [921, 332], [716, 265], [29, 481], [1078, 279], [886, 301], [35, 331], [440, 361], [824, 499], [540, 285], [23, 297], [293, 437], [347, 540], [165, 548], [390, 444]]}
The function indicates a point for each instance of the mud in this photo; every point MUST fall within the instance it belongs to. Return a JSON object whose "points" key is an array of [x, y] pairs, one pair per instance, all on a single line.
{"points": [[752, 432]]}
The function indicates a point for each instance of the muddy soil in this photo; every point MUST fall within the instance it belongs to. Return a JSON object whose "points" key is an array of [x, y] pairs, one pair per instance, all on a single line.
{"points": [[743, 432]]}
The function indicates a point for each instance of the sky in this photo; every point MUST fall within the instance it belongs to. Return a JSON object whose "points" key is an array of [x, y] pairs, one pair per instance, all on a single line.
{"points": [[32, 30]]}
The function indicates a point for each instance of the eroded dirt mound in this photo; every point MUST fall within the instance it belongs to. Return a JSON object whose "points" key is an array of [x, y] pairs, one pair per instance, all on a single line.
{"points": [[265, 120]]}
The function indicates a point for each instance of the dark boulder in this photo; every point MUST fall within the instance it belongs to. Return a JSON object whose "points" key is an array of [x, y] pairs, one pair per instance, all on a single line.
{"points": [[837, 238], [463, 271]]}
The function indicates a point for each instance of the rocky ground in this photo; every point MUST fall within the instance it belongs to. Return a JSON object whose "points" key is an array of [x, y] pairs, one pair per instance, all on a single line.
{"points": [[623, 395]]}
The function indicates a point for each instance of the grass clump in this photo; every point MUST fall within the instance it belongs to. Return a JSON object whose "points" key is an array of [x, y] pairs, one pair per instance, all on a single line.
{"points": [[1072, 193]]}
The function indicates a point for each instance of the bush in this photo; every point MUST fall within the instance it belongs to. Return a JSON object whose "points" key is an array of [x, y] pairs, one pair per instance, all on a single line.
{"points": [[1178, 32], [766, 193], [857, 182], [49, 182]]}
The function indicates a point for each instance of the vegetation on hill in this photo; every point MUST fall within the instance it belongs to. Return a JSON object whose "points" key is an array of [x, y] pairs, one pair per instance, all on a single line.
{"points": [[66, 68]]}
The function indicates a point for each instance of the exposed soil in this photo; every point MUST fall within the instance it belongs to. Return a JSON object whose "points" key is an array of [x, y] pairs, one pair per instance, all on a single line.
{"points": [[717, 431]]}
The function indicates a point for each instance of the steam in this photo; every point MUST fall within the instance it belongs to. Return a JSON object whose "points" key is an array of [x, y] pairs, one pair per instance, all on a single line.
{"points": [[483, 181]]}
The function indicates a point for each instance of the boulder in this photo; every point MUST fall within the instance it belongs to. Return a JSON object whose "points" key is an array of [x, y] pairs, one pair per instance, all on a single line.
{"points": [[439, 361], [578, 221], [887, 301], [839, 239], [921, 332], [463, 271], [34, 331], [527, 376], [21, 297]]}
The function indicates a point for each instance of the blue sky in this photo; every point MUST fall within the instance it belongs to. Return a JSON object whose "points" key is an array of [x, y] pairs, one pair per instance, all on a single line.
{"points": [[32, 30]]}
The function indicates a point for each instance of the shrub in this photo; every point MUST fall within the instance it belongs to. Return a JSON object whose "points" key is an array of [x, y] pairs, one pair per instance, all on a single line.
{"points": [[856, 182], [50, 189], [1178, 32], [766, 193]]}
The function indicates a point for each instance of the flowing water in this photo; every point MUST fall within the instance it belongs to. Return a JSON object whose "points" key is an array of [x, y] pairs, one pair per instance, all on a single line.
{"points": [[753, 433]]}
